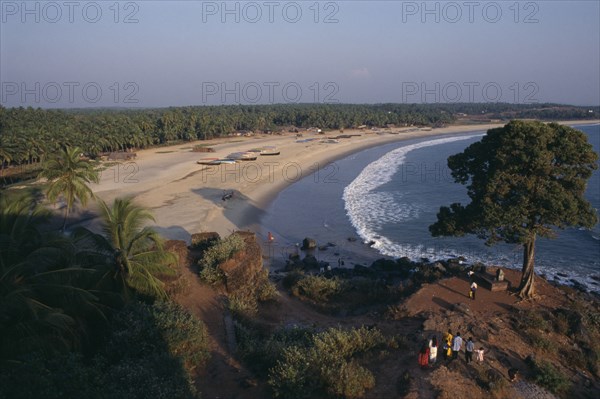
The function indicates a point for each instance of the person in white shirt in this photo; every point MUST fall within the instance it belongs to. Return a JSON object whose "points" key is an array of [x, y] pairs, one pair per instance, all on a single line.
{"points": [[433, 346], [473, 290], [456, 345], [469, 347]]}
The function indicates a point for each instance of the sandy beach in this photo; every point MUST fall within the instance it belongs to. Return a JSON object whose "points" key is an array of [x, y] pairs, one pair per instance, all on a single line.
{"points": [[186, 197]]}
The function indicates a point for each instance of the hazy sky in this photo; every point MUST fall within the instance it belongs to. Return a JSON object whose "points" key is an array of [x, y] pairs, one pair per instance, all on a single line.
{"points": [[163, 53]]}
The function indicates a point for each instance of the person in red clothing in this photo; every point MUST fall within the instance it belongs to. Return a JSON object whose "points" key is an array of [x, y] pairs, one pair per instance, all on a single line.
{"points": [[424, 356]]}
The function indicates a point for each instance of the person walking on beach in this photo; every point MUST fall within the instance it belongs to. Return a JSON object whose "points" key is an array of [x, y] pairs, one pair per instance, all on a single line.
{"points": [[456, 345], [469, 347], [447, 345], [473, 290], [433, 347]]}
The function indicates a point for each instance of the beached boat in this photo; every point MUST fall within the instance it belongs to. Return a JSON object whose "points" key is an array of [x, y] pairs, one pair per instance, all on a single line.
{"points": [[243, 156], [331, 141], [270, 150], [206, 161], [216, 161]]}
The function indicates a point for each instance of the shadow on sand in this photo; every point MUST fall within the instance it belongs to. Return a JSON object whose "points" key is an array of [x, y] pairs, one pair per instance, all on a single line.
{"points": [[237, 207]]}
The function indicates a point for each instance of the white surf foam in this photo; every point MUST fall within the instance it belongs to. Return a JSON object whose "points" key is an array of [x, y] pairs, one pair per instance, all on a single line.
{"points": [[369, 209]]}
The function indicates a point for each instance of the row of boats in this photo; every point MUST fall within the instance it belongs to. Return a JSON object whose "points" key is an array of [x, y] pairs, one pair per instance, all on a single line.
{"points": [[250, 155]]}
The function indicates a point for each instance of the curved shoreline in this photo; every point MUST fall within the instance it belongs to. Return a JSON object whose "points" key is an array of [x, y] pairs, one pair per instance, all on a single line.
{"points": [[186, 197], [325, 223]]}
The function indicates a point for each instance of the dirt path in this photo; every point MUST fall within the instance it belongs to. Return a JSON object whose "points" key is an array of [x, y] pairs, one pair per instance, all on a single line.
{"points": [[223, 377]]}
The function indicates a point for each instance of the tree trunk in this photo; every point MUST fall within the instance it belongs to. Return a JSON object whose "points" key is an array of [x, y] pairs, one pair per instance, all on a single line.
{"points": [[526, 289], [64, 226]]}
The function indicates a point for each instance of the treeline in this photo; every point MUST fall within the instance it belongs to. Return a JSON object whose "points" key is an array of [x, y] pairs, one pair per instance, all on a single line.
{"points": [[28, 135]]}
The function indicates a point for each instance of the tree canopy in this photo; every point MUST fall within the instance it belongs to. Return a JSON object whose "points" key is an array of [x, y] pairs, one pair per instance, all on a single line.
{"points": [[524, 180]]}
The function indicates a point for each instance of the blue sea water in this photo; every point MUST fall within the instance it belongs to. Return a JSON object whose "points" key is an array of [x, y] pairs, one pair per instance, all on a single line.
{"points": [[388, 196]]}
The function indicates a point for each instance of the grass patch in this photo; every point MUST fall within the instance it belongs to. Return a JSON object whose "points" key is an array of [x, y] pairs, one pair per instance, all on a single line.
{"points": [[546, 375]]}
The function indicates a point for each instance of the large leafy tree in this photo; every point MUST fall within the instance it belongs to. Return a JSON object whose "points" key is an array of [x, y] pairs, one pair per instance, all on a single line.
{"points": [[68, 176], [525, 180], [137, 257]]}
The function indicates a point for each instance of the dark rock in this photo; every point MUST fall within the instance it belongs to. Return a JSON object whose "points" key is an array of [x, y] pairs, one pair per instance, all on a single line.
{"points": [[310, 262], [323, 248], [309, 243], [363, 271], [462, 307], [351, 239], [384, 265], [439, 267], [371, 243], [404, 261]]}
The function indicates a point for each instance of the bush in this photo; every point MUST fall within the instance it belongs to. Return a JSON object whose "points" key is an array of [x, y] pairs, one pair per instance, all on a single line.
{"points": [[224, 250], [244, 300], [328, 367], [318, 288], [262, 352], [540, 342], [536, 320], [546, 375], [292, 278], [149, 353]]}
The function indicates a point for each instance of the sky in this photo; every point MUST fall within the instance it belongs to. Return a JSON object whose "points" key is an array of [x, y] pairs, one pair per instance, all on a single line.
{"points": [[73, 54]]}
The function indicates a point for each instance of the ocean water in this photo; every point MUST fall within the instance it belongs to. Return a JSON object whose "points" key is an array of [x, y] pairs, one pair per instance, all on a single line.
{"points": [[388, 196]]}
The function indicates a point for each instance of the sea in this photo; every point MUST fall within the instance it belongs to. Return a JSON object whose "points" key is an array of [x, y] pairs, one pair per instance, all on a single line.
{"points": [[379, 202]]}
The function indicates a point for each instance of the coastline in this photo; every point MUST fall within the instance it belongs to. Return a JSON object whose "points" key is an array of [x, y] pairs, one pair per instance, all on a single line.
{"points": [[169, 182]]}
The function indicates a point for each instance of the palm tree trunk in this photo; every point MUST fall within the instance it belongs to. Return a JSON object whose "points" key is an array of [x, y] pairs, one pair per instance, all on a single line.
{"points": [[64, 226], [526, 289]]}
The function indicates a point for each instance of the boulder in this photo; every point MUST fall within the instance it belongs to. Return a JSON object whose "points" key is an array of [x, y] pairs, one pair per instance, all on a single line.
{"points": [[439, 267], [309, 243], [310, 262]]}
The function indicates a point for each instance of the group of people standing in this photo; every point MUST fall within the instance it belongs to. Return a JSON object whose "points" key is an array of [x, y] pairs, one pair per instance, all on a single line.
{"points": [[452, 345]]}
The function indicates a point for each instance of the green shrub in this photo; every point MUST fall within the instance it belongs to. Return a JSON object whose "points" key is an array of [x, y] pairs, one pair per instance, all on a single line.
{"points": [[184, 334], [546, 375], [540, 342], [262, 352], [318, 288], [258, 288], [292, 278], [242, 302], [536, 320], [349, 380], [222, 251], [149, 353], [328, 367]]}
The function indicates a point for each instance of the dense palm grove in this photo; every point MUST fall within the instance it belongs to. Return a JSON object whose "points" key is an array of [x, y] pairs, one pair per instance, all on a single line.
{"points": [[27, 135], [82, 314]]}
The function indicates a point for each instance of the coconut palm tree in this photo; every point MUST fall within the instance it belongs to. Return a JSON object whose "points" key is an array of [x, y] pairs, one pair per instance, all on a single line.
{"points": [[136, 250], [43, 299], [68, 177]]}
